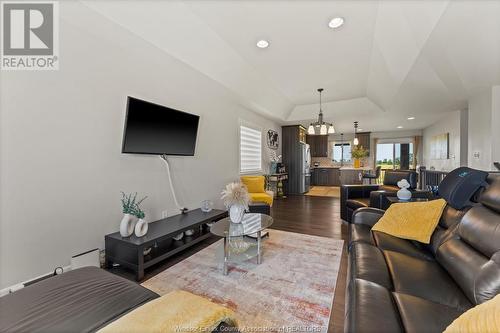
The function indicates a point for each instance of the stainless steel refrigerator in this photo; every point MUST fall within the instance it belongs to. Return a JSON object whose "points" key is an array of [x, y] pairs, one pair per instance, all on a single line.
{"points": [[305, 163]]}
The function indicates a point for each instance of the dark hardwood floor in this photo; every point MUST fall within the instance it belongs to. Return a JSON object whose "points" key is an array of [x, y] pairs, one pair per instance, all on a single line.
{"points": [[318, 216]]}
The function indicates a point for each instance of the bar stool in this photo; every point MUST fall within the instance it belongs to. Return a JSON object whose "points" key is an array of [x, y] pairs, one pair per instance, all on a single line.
{"points": [[375, 176]]}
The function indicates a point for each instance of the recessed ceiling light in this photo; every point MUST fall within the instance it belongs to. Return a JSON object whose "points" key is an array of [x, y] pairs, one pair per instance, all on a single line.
{"points": [[336, 22], [262, 44], [411, 118], [400, 127]]}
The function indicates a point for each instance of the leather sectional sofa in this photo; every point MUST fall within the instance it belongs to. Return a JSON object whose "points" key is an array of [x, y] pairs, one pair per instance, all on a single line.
{"points": [[396, 285], [353, 197]]}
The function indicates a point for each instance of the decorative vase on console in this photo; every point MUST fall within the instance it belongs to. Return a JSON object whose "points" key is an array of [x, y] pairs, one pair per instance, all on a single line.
{"points": [[236, 199], [130, 208], [141, 227], [403, 193], [127, 225]]}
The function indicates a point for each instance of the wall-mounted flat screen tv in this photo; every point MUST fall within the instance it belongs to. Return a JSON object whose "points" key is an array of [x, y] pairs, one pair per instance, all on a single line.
{"points": [[154, 129]]}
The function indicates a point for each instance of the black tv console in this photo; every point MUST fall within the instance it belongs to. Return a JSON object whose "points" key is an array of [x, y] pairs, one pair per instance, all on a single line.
{"points": [[129, 251]]}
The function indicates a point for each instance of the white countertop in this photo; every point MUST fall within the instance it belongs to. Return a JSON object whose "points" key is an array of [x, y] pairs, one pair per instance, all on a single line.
{"points": [[356, 169], [325, 167]]}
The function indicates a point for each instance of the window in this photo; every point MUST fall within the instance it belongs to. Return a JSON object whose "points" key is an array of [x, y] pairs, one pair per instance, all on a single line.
{"points": [[337, 152], [250, 150]]}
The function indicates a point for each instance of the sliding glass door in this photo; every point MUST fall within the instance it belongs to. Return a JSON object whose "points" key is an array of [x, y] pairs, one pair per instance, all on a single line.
{"points": [[395, 155]]}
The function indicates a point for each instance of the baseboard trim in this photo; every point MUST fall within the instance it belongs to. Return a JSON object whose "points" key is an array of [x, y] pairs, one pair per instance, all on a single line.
{"points": [[15, 287]]}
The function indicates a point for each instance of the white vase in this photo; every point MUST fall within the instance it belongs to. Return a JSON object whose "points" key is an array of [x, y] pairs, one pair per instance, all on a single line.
{"points": [[141, 228], [236, 213], [404, 194], [127, 225]]}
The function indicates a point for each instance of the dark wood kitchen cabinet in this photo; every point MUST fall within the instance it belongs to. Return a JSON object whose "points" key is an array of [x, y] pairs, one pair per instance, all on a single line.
{"points": [[318, 145], [325, 177], [333, 177], [364, 140]]}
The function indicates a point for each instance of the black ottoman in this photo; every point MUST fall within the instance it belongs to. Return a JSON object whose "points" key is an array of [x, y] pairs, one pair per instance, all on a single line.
{"points": [[259, 207], [262, 208]]}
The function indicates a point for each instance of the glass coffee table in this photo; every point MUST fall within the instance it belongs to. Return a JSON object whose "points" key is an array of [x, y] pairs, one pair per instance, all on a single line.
{"points": [[252, 223]]}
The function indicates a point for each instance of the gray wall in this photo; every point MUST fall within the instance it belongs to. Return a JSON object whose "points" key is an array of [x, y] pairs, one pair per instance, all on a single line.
{"points": [[61, 169], [495, 124], [450, 124], [484, 133], [474, 133]]}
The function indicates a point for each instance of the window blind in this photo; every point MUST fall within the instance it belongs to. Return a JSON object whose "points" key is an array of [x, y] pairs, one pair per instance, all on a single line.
{"points": [[250, 149]]}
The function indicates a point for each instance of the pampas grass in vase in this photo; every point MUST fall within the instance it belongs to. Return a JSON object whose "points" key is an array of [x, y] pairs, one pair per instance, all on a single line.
{"points": [[236, 199]]}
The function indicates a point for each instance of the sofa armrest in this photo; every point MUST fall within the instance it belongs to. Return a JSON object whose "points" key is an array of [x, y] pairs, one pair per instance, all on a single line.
{"points": [[378, 198], [357, 191], [353, 191], [367, 216], [271, 194]]}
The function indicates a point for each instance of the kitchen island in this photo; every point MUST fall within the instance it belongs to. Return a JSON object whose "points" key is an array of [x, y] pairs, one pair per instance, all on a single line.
{"points": [[337, 176], [325, 176], [352, 176]]}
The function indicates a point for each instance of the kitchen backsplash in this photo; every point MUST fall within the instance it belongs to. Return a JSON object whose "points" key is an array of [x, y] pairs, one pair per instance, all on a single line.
{"points": [[326, 161]]}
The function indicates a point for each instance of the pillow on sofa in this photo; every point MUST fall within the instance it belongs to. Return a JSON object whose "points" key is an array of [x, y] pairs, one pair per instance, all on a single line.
{"points": [[484, 318], [254, 184], [411, 220]]}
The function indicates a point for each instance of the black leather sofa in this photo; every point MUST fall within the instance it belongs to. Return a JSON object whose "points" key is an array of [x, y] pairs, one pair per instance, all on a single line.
{"points": [[353, 197], [396, 285]]}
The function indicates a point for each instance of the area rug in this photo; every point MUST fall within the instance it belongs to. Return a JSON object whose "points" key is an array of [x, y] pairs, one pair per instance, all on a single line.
{"points": [[292, 289], [324, 191]]}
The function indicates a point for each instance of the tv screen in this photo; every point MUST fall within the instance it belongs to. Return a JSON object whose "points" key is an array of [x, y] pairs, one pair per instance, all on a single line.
{"points": [[154, 129]]}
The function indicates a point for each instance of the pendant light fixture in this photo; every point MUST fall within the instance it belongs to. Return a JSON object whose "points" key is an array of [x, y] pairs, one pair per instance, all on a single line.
{"points": [[356, 140], [323, 127]]}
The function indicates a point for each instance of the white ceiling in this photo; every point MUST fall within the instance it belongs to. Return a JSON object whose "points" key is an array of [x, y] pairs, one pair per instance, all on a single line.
{"points": [[391, 59]]}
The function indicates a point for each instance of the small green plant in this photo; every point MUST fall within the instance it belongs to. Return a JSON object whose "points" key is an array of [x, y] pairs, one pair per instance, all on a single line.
{"points": [[358, 152], [128, 202], [130, 205], [138, 212]]}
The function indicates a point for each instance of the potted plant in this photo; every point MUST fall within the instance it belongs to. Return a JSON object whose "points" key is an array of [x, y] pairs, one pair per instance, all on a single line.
{"points": [[274, 158], [126, 224], [129, 205], [141, 227], [236, 199], [358, 153]]}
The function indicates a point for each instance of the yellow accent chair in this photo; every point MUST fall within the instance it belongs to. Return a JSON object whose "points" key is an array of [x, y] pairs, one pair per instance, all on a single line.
{"points": [[256, 186]]}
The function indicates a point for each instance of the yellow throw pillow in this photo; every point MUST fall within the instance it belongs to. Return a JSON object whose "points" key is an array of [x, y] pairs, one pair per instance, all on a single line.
{"points": [[412, 220], [484, 318], [254, 184]]}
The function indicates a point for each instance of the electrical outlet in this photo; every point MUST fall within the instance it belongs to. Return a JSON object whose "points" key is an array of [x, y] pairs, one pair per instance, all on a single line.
{"points": [[164, 214], [476, 155]]}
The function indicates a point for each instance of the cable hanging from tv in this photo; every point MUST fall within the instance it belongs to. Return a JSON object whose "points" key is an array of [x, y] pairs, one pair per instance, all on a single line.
{"points": [[182, 209]]}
